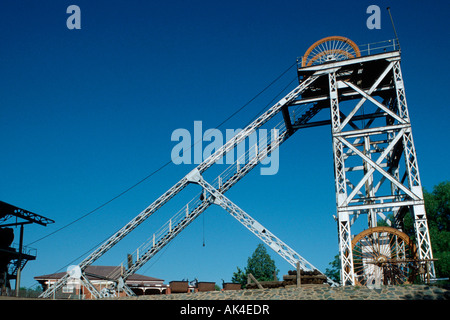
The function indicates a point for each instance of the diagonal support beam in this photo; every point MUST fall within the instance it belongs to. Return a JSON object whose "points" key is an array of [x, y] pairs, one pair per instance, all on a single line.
{"points": [[372, 169], [252, 225], [369, 92], [164, 239], [174, 190], [371, 99], [90, 286], [375, 165]]}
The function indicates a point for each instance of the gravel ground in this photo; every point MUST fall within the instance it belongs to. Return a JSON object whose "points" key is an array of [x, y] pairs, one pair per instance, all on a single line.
{"points": [[314, 292]]}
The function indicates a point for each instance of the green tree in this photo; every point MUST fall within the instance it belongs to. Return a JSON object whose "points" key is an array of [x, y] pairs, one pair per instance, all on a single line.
{"points": [[437, 205], [260, 265], [334, 273], [239, 277]]}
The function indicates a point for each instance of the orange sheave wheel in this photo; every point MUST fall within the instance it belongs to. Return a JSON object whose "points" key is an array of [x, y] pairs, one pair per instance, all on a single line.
{"points": [[383, 255], [330, 48]]}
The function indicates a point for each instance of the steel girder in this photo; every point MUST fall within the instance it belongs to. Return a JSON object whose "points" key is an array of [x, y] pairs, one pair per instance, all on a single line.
{"points": [[195, 207], [178, 187], [277, 245], [366, 183], [355, 135]]}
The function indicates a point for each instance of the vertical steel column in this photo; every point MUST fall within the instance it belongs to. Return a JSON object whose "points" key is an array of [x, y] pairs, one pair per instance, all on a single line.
{"points": [[372, 213], [19, 261], [412, 170], [345, 249]]}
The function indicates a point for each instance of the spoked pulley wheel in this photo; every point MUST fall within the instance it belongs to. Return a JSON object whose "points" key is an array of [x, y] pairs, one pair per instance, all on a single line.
{"points": [[383, 255], [333, 48]]}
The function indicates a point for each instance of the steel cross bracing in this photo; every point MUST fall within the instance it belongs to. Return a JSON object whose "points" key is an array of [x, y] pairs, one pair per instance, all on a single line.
{"points": [[229, 145], [368, 144]]}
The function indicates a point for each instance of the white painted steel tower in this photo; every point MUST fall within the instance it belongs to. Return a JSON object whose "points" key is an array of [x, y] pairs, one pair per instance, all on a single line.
{"points": [[362, 95], [375, 163]]}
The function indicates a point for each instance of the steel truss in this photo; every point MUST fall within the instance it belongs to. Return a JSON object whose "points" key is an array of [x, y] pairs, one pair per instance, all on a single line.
{"points": [[369, 138], [225, 181], [287, 253], [368, 144]]}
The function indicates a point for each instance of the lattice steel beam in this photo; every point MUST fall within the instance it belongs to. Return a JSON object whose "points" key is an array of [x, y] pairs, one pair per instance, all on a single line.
{"points": [[277, 245], [359, 138], [207, 163], [158, 244]]}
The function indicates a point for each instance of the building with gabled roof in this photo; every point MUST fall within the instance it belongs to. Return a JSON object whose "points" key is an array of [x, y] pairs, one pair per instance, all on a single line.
{"points": [[100, 277]]}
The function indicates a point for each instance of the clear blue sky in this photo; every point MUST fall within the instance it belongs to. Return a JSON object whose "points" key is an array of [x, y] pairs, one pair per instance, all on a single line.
{"points": [[85, 114]]}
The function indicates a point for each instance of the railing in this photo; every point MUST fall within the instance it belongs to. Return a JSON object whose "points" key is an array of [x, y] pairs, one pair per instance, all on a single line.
{"points": [[379, 47], [14, 266], [25, 250]]}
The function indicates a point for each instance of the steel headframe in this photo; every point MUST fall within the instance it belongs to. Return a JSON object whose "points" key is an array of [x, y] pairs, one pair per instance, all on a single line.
{"points": [[371, 133], [364, 184]]}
